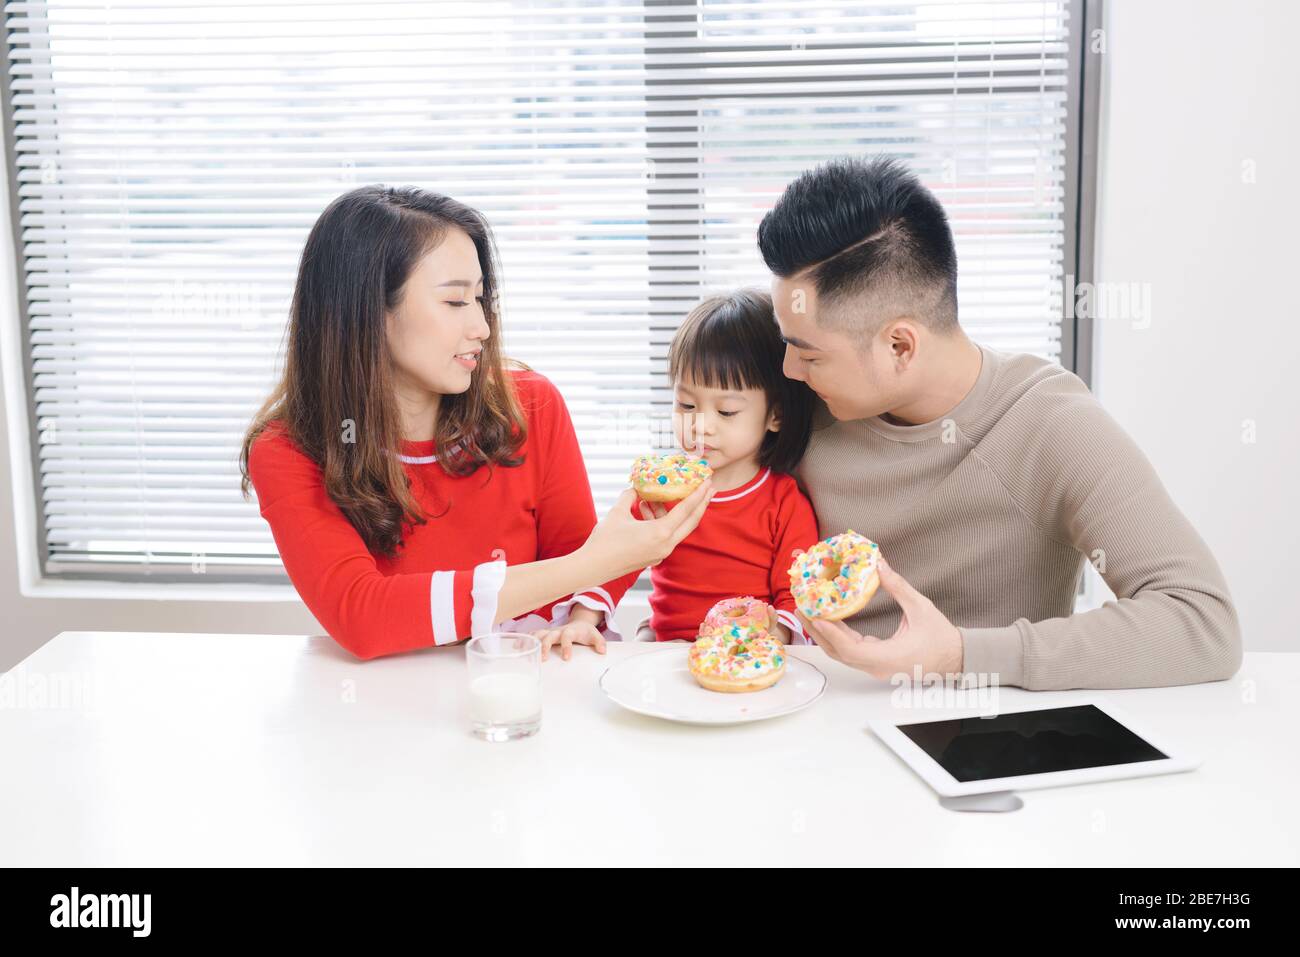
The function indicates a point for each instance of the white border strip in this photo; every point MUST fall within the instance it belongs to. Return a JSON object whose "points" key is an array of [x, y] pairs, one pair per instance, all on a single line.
{"points": [[597, 599], [442, 607], [28, 517], [424, 459], [732, 498], [796, 627]]}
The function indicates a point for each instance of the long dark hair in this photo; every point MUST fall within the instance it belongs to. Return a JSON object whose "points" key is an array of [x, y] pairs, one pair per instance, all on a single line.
{"points": [[732, 342], [338, 369]]}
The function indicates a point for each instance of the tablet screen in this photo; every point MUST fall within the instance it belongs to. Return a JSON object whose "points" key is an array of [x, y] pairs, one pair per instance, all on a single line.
{"points": [[1029, 742]]}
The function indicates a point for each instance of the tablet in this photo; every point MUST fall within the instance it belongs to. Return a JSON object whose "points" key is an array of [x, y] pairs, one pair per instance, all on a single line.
{"points": [[1046, 746]]}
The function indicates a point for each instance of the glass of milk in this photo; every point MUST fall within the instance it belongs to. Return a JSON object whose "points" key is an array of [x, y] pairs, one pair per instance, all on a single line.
{"points": [[505, 685]]}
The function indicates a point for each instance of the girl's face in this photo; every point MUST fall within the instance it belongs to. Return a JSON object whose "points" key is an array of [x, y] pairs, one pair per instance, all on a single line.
{"points": [[730, 424], [437, 331]]}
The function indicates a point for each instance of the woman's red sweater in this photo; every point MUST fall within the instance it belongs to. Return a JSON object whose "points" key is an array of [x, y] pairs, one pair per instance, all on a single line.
{"points": [[443, 584]]}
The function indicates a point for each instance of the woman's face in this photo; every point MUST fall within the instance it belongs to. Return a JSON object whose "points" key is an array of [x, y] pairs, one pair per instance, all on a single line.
{"points": [[438, 328]]}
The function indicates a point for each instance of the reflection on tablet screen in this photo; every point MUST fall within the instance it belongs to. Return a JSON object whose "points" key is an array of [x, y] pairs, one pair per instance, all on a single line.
{"points": [[1029, 742]]}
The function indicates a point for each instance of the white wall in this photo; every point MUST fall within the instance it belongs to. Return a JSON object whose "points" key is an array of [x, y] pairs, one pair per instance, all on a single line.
{"points": [[1192, 91], [1197, 97]]}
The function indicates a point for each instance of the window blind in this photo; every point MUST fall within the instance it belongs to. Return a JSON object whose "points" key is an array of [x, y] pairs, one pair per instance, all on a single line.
{"points": [[169, 158]]}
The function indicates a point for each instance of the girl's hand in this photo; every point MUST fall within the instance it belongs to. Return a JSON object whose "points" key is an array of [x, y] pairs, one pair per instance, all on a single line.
{"points": [[580, 629], [622, 543]]}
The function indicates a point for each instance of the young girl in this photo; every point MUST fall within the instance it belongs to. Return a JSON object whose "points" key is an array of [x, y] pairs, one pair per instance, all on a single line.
{"points": [[751, 423]]}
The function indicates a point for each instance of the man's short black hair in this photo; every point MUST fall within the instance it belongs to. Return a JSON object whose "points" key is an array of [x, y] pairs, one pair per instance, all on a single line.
{"points": [[872, 240]]}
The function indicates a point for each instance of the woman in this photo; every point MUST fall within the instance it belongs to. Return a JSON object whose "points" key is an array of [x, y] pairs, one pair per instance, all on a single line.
{"points": [[420, 489]]}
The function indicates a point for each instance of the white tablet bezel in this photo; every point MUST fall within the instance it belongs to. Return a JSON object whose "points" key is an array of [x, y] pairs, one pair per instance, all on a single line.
{"points": [[947, 786]]}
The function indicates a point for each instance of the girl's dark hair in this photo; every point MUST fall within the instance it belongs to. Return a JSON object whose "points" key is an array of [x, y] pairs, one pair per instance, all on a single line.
{"points": [[732, 342], [338, 370]]}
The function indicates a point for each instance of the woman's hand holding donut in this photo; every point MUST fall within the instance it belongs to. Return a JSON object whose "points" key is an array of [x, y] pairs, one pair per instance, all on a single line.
{"points": [[622, 543]]}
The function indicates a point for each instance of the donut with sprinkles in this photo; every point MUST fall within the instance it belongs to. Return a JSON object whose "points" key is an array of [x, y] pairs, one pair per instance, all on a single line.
{"points": [[736, 650], [836, 578], [668, 478], [750, 615]]}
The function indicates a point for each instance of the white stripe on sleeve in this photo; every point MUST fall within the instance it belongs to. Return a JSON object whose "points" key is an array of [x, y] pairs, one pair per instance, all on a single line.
{"points": [[588, 598], [796, 627], [595, 598], [442, 607]]}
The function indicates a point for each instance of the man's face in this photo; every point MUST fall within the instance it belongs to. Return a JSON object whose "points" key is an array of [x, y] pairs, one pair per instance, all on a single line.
{"points": [[855, 379]]}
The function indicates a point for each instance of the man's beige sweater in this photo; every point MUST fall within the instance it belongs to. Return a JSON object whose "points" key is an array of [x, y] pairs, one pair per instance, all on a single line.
{"points": [[991, 511]]}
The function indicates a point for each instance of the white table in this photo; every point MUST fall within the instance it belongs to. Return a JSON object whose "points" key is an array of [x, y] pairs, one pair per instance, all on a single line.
{"points": [[196, 749]]}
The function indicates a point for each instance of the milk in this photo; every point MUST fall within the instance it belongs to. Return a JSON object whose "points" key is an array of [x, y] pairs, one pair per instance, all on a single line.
{"points": [[505, 698]]}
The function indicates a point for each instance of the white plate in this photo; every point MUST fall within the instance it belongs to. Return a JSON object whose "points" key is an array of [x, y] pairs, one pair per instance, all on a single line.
{"points": [[659, 684]]}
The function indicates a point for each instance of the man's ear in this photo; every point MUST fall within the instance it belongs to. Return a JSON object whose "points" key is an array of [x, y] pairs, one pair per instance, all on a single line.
{"points": [[902, 340]]}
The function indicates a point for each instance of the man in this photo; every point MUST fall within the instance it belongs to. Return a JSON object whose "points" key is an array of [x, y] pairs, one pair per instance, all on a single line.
{"points": [[987, 478]]}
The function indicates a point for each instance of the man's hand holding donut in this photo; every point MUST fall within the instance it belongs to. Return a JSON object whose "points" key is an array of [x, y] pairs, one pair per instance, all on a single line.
{"points": [[925, 637]]}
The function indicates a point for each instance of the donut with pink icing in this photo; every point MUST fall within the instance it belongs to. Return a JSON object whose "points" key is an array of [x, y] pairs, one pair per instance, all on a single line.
{"points": [[737, 649], [748, 614]]}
